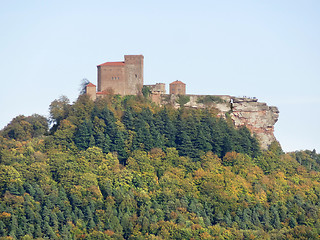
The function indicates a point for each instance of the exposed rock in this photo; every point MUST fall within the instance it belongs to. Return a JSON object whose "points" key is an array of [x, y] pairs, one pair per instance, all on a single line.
{"points": [[258, 117]]}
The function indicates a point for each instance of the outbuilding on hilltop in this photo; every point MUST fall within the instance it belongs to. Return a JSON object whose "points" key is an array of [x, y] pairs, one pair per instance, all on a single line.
{"points": [[177, 87]]}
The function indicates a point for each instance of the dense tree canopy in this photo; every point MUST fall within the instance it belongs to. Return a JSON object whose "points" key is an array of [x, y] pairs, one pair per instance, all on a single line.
{"points": [[123, 168]]}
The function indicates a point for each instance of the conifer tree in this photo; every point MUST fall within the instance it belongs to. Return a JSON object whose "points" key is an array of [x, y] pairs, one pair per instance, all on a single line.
{"points": [[119, 146], [14, 226], [103, 141], [3, 230], [128, 119], [184, 145], [83, 135]]}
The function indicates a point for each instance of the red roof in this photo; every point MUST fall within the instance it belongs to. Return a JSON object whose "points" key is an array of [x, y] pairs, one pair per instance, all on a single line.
{"points": [[112, 64], [177, 82], [91, 85], [102, 93]]}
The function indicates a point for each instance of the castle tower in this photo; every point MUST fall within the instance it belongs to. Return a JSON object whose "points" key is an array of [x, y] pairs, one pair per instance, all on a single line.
{"points": [[91, 91], [177, 87], [134, 74]]}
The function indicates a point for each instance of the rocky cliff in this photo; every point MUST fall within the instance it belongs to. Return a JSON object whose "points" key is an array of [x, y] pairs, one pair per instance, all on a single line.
{"points": [[258, 117]]}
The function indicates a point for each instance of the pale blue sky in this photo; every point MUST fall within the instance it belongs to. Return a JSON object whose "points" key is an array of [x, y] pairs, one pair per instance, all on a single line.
{"points": [[264, 49]]}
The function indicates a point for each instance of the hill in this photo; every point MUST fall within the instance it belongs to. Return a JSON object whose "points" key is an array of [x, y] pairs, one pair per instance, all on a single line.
{"points": [[125, 168]]}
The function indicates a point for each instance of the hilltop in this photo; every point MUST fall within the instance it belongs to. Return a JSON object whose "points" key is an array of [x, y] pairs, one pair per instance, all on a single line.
{"points": [[123, 167], [126, 78]]}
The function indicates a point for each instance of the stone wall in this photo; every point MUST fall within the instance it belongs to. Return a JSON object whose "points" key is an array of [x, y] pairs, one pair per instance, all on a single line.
{"points": [[258, 117]]}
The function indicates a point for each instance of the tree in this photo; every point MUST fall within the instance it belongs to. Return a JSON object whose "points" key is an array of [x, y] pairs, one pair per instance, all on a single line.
{"points": [[24, 128], [184, 145], [9, 176], [103, 141], [59, 109], [182, 100], [126, 225], [119, 146], [83, 136], [83, 85], [3, 230], [14, 226], [146, 91]]}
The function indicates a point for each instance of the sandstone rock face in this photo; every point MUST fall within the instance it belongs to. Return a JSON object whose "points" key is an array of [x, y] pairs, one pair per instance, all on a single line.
{"points": [[258, 117]]}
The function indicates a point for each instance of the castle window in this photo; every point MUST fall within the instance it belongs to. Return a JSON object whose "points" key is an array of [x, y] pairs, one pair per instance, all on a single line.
{"points": [[136, 75]]}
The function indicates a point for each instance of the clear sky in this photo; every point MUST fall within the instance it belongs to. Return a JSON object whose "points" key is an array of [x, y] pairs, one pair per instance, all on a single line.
{"points": [[264, 49]]}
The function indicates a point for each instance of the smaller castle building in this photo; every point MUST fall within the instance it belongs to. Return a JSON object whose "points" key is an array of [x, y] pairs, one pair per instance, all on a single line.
{"points": [[91, 91], [158, 88], [177, 88]]}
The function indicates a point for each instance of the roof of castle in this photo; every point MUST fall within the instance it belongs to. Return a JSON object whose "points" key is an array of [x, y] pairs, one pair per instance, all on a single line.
{"points": [[91, 85], [112, 64], [177, 82], [102, 93]]}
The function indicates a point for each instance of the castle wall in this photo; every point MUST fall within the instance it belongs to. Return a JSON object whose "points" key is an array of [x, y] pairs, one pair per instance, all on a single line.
{"points": [[156, 97]]}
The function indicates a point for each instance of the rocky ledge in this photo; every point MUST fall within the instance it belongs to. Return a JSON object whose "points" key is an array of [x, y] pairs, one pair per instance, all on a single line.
{"points": [[258, 117]]}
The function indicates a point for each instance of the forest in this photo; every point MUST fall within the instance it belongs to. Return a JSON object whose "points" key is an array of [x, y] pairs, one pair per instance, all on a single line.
{"points": [[126, 168]]}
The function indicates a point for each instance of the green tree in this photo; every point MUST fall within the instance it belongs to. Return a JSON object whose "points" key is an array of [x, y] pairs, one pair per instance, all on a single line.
{"points": [[9, 176], [3, 230], [84, 135], [59, 109], [182, 100]]}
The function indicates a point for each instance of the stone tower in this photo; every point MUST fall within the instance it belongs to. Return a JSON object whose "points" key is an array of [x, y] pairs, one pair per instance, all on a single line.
{"points": [[134, 74], [91, 91], [124, 78]]}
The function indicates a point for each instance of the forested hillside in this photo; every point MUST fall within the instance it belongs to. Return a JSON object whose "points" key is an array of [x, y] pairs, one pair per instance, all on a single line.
{"points": [[125, 168]]}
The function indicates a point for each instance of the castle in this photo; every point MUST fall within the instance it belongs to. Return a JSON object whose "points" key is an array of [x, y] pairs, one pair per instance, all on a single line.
{"points": [[126, 78]]}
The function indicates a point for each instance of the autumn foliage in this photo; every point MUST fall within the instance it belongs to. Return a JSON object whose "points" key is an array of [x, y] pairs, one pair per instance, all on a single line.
{"points": [[124, 168]]}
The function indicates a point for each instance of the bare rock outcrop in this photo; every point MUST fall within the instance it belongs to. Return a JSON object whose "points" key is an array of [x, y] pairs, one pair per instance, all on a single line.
{"points": [[258, 117]]}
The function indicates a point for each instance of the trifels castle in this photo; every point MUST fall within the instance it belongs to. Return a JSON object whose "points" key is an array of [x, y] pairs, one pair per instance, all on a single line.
{"points": [[126, 78]]}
